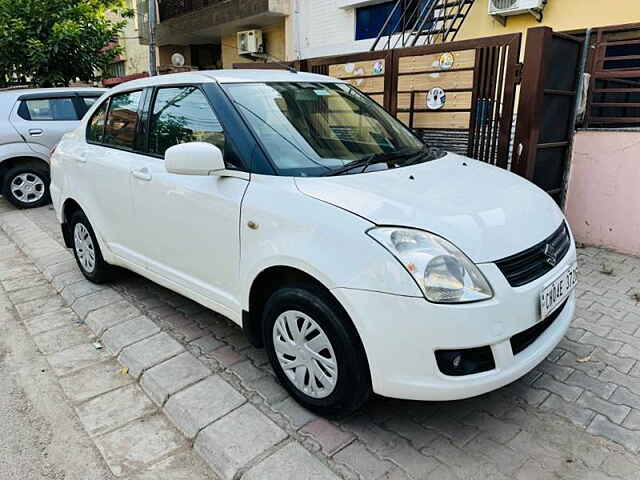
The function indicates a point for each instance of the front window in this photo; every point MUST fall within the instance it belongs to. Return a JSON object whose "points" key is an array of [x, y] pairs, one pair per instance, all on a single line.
{"points": [[313, 129]]}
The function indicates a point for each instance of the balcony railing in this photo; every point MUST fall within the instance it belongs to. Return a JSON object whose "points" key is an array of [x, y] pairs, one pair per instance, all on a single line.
{"points": [[174, 8]]}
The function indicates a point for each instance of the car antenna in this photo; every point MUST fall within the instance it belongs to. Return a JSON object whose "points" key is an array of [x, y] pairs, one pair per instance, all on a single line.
{"points": [[267, 57]]}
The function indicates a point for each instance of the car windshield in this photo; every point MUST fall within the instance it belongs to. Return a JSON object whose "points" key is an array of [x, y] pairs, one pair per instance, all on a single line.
{"points": [[315, 129]]}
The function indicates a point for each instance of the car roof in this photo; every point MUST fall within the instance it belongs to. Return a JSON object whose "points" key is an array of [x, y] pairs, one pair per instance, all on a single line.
{"points": [[18, 92], [228, 76]]}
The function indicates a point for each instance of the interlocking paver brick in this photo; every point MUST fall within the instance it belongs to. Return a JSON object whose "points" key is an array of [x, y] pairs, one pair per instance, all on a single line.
{"points": [[204, 345], [180, 466], [508, 459], [327, 435], [94, 380], [611, 375], [230, 443], [294, 412], [615, 413], [495, 428], [416, 434], [50, 321], [62, 338], [172, 376], [201, 404], [602, 389], [226, 356], [114, 409], [138, 443], [76, 358], [25, 282], [38, 307], [358, 459], [628, 438], [291, 462], [106, 317], [269, 389], [31, 293], [632, 422], [568, 409], [624, 396], [149, 352], [568, 392], [83, 305], [129, 332], [247, 372]]}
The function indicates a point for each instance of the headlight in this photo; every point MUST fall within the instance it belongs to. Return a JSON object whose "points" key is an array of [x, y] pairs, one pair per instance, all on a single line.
{"points": [[443, 272]]}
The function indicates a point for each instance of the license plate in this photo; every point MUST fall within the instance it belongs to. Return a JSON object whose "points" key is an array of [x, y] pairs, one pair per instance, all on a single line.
{"points": [[558, 290]]}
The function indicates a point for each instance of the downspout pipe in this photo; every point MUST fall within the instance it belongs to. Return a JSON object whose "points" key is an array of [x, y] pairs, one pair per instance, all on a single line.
{"points": [[579, 92]]}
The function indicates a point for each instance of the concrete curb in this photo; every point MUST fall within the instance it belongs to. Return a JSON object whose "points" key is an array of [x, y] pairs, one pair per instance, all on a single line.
{"points": [[231, 436]]}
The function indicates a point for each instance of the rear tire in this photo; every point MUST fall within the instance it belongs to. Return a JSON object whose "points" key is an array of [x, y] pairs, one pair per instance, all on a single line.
{"points": [[315, 350], [87, 250], [27, 186]]}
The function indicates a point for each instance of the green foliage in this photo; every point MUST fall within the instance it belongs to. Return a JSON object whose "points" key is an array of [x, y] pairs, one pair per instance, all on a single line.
{"points": [[54, 42]]}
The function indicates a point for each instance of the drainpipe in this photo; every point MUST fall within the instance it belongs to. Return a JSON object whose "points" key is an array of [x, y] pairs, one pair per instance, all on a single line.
{"points": [[153, 71], [580, 90]]}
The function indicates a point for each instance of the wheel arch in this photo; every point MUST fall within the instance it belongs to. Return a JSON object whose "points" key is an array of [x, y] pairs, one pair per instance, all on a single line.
{"points": [[266, 283], [26, 160]]}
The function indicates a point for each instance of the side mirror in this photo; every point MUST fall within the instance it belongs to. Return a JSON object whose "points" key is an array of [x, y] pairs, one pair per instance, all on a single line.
{"points": [[194, 158]]}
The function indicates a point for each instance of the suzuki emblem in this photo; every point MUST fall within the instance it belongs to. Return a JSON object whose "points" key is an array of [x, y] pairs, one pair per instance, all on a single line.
{"points": [[551, 254]]}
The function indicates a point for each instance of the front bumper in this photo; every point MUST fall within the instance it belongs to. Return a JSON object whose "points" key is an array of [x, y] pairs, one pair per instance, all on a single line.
{"points": [[400, 335]]}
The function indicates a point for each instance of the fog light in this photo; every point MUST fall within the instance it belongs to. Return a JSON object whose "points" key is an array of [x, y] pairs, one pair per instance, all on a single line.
{"points": [[466, 361]]}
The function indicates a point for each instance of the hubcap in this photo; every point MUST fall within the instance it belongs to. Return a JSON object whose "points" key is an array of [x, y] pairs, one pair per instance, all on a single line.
{"points": [[27, 187], [305, 354], [84, 247]]}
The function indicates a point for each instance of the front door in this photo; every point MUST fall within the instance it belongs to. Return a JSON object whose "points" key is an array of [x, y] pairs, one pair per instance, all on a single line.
{"points": [[189, 225]]}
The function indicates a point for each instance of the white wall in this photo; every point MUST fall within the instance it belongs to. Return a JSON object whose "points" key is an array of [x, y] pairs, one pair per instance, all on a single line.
{"points": [[326, 29]]}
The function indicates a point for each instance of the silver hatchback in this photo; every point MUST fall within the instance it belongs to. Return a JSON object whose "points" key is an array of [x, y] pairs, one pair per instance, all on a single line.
{"points": [[32, 122]]}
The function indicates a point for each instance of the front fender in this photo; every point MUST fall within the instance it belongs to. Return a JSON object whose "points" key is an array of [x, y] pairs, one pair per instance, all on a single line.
{"points": [[322, 240]]}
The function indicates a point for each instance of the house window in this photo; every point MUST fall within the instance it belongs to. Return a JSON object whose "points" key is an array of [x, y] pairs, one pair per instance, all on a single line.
{"points": [[116, 70], [371, 19]]}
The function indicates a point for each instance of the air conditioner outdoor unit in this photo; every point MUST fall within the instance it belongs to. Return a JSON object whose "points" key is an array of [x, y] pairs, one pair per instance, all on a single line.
{"points": [[506, 8], [249, 42]]}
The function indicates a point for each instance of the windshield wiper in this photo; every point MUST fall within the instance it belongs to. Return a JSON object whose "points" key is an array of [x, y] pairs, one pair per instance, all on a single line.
{"points": [[370, 160], [426, 155]]}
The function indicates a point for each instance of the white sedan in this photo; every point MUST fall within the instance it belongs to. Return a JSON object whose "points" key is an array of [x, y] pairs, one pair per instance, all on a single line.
{"points": [[361, 259]]}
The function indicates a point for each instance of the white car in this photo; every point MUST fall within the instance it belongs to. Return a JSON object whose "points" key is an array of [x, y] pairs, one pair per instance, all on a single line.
{"points": [[297, 207], [32, 121]]}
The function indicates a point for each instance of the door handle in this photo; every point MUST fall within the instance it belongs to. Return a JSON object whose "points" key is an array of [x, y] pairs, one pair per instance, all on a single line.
{"points": [[142, 174], [35, 132]]}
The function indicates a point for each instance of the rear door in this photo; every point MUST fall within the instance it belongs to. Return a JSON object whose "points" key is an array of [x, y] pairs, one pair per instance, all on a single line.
{"points": [[42, 119], [101, 170]]}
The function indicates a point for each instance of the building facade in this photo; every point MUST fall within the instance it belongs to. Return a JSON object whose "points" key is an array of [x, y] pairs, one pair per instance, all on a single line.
{"points": [[204, 32]]}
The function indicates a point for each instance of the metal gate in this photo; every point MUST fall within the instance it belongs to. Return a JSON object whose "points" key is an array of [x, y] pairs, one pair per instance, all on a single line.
{"points": [[546, 113], [458, 95]]}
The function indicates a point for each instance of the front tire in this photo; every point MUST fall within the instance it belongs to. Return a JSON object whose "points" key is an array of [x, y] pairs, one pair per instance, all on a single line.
{"points": [[315, 351], [87, 250], [27, 186]]}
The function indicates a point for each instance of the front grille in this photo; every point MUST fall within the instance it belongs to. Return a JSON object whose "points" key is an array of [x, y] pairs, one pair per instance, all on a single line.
{"points": [[522, 340], [532, 263]]}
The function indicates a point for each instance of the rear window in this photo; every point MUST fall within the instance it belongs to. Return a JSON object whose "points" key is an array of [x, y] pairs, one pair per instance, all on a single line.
{"points": [[122, 120], [95, 132], [48, 109]]}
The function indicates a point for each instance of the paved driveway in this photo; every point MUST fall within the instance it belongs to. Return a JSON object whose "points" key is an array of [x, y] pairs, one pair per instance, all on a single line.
{"points": [[577, 415]]}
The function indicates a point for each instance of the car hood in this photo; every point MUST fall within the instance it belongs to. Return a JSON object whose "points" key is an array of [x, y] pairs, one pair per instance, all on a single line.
{"points": [[487, 212]]}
